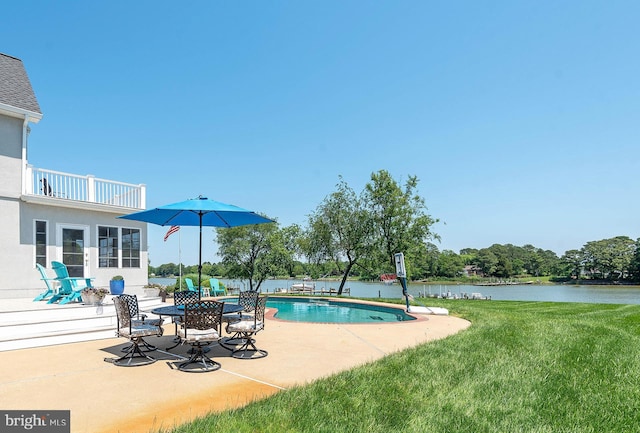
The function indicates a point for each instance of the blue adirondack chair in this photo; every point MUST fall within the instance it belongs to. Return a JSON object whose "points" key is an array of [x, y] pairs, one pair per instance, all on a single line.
{"points": [[204, 291], [70, 287], [215, 287], [51, 284], [190, 286]]}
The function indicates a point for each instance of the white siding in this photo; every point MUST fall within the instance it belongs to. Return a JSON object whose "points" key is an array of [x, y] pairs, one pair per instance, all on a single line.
{"points": [[18, 275], [10, 157]]}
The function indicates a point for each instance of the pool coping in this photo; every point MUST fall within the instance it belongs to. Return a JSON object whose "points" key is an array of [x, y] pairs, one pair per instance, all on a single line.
{"points": [[270, 313]]}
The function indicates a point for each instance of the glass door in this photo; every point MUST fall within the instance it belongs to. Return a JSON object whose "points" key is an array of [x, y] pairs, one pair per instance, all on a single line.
{"points": [[73, 251]]}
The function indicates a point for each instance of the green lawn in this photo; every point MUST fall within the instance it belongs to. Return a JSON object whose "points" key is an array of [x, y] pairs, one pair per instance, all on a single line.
{"points": [[522, 367]]}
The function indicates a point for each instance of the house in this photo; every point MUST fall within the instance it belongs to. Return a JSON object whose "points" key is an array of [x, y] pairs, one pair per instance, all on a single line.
{"points": [[472, 271], [47, 215]]}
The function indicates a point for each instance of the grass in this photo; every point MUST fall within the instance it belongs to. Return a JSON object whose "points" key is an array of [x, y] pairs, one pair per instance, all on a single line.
{"points": [[522, 367]]}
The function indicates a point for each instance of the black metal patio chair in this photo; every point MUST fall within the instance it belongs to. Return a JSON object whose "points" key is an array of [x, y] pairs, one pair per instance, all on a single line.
{"points": [[138, 318], [247, 328], [202, 325], [248, 300], [182, 298], [135, 331]]}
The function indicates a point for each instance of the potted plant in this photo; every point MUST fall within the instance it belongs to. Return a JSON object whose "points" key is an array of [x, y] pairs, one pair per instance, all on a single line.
{"points": [[116, 285], [93, 296], [151, 290]]}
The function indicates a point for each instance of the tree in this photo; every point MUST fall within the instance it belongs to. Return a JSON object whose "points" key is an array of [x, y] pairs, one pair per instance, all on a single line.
{"points": [[609, 258], [508, 260], [503, 267], [291, 241], [341, 228], [255, 252], [469, 252], [450, 264], [574, 260], [486, 261], [634, 268], [533, 262], [399, 218], [317, 244], [425, 265], [550, 262], [167, 270]]}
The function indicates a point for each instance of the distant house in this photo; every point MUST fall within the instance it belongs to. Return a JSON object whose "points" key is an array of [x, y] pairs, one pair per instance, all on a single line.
{"points": [[47, 215], [472, 271]]}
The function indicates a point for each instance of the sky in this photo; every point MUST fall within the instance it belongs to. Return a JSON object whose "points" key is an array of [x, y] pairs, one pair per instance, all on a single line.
{"points": [[520, 119]]}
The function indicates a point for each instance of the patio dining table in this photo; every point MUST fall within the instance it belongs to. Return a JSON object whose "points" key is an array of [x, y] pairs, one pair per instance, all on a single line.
{"points": [[178, 311]]}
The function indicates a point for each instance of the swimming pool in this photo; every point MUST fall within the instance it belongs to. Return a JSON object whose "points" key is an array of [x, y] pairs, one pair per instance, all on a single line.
{"points": [[317, 310]]}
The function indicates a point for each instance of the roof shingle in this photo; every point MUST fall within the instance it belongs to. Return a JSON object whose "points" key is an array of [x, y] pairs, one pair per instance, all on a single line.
{"points": [[15, 87]]}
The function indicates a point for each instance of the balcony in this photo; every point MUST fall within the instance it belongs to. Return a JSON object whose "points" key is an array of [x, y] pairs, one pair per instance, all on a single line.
{"points": [[70, 190]]}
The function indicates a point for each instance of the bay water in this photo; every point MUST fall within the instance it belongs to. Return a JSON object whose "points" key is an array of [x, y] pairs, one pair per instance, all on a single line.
{"points": [[615, 294]]}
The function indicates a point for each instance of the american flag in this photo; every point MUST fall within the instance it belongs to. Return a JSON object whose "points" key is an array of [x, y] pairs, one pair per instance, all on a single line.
{"points": [[171, 231]]}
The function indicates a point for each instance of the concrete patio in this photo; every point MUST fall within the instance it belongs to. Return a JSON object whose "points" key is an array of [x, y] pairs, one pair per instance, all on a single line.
{"points": [[105, 398]]}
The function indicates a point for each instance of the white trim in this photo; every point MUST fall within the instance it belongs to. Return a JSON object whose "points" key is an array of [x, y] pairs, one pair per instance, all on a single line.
{"points": [[46, 241], [23, 166], [86, 248], [75, 204], [119, 247], [120, 244], [119, 236], [121, 254], [12, 111]]}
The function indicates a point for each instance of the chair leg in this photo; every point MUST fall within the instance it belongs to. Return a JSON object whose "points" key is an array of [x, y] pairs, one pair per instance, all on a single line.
{"points": [[176, 339], [199, 362], [235, 339], [248, 350], [147, 347], [75, 296], [231, 342], [55, 298], [134, 356]]}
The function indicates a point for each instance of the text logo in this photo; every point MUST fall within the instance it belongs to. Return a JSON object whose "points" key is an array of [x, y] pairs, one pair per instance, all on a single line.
{"points": [[40, 421]]}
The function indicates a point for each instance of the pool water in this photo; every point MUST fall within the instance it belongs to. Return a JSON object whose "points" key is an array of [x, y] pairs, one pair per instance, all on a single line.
{"points": [[327, 311]]}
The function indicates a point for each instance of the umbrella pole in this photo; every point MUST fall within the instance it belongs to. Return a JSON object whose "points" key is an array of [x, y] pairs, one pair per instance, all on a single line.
{"points": [[200, 260]]}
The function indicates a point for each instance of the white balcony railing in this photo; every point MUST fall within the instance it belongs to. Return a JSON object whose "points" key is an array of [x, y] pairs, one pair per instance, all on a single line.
{"points": [[49, 183]]}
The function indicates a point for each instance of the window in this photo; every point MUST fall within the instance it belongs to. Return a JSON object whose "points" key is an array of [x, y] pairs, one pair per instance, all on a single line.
{"points": [[41, 242], [107, 247], [130, 248]]}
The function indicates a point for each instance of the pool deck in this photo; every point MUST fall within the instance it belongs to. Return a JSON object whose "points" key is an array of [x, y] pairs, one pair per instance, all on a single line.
{"points": [[104, 398]]}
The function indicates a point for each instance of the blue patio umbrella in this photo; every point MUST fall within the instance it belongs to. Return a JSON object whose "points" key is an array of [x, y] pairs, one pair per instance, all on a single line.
{"points": [[199, 212]]}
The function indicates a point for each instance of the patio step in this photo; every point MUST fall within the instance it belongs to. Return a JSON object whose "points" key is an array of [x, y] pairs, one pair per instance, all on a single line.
{"points": [[25, 324]]}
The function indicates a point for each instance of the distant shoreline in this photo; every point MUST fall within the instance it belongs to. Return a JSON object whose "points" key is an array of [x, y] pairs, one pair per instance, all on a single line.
{"points": [[534, 282]]}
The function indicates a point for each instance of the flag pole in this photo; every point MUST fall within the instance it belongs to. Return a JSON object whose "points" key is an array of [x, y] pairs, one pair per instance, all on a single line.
{"points": [[171, 231]]}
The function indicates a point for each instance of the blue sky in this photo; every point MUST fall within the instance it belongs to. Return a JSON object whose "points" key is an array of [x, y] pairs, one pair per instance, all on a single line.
{"points": [[519, 118]]}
